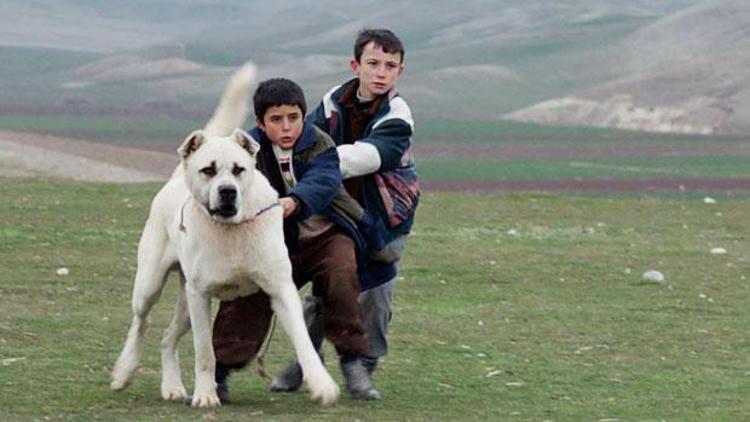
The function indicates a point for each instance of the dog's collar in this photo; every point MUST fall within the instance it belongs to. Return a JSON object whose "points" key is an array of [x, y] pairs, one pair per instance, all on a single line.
{"points": [[247, 220]]}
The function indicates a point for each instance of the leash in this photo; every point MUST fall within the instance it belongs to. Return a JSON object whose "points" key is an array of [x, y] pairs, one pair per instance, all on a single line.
{"points": [[264, 351], [261, 357], [261, 211]]}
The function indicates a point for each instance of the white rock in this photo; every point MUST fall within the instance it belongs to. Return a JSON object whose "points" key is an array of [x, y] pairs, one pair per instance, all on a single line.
{"points": [[709, 200], [493, 373], [62, 271], [654, 276], [718, 251], [512, 232], [8, 361]]}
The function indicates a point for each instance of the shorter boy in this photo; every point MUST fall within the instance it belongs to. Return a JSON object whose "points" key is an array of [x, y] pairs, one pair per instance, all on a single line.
{"points": [[302, 164]]}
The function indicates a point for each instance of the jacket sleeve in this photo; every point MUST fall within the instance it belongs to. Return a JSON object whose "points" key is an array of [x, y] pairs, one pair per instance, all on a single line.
{"points": [[381, 150], [318, 181], [392, 138], [384, 146], [318, 118]]}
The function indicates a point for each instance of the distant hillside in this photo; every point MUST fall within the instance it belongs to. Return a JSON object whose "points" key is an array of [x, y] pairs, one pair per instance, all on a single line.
{"points": [[672, 65], [686, 73]]}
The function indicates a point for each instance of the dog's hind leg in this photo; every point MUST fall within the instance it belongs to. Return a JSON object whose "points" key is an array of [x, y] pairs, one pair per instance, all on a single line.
{"points": [[172, 387], [153, 268], [288, 307]]}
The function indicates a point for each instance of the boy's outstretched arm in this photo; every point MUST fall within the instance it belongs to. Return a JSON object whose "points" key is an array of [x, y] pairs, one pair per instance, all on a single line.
{"points": [[318, 181]]}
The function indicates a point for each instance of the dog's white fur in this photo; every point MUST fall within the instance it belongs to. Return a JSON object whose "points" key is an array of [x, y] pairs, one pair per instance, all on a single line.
{"points": [[221, 249]]}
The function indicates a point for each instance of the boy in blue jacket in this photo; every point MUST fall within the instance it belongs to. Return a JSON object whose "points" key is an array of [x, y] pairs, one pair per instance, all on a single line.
{"points": [[321, 232]]}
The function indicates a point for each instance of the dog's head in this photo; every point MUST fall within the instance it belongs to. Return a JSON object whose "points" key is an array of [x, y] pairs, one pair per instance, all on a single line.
{"points": [[219, 172]]}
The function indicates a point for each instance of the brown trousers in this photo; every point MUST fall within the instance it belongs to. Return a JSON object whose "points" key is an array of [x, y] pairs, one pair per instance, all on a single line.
{"points": [[328, 261]]}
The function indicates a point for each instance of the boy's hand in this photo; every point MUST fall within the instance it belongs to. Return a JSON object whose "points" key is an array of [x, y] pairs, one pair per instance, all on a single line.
{"points": [[289, 205]]}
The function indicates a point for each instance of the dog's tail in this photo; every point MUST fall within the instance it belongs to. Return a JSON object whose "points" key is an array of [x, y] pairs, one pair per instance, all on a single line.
{"points": [[233, 106]]}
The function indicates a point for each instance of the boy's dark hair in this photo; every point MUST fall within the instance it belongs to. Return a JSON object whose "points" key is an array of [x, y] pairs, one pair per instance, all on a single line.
{"points": [[277, 92], [386, 39]]}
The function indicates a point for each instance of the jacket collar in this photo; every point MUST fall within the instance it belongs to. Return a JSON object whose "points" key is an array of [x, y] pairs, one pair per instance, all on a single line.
{"points": [[305, 141], [336, 96]]}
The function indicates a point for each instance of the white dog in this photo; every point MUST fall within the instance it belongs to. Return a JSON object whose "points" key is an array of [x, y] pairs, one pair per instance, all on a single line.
{"points": [[216, 222]]}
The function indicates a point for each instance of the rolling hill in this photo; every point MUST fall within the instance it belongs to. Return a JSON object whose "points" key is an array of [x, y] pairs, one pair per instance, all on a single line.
{"points": [[674, 65]]}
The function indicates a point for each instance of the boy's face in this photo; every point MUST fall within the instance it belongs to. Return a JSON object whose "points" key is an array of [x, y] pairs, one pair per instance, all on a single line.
{"points": [[282, 124], [377, 71]]}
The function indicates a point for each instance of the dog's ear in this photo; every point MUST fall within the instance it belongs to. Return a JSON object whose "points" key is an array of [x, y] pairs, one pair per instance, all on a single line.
{"points": [[191, 144], [246, 142]]}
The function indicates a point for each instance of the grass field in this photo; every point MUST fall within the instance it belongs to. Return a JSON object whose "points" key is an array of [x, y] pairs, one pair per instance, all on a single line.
{"points": [[454, 151], [582, 168], [511, 307]]}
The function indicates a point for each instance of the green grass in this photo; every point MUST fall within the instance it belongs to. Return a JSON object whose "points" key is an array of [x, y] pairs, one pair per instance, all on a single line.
{"points": [[506, 132], [582, 168], [730, 161], [125, 130], [543, 291]]}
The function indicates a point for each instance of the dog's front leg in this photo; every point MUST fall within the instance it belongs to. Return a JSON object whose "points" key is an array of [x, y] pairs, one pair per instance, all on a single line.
{"points": [[286, 303], [199, 307]]}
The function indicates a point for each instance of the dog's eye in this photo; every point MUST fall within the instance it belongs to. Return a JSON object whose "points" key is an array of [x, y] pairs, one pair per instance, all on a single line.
{"points": [[209, 171], [237, 170]]}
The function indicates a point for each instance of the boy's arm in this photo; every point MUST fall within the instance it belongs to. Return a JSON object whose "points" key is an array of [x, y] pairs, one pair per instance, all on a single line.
{"points": [[383, 148], [318, 180], [318, 118]]}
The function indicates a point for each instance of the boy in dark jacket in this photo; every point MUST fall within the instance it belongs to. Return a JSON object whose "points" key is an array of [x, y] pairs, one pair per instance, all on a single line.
{"points": [[320, 230]]}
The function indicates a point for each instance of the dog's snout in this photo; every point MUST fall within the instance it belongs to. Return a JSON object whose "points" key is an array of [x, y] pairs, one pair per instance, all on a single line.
{"points": [[227, 193]]}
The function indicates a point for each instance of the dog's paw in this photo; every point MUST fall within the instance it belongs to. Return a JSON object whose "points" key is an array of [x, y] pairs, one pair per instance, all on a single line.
{"points": [[120, 379], [118, 384], [173, 392], [206, 400], [324, 390]]}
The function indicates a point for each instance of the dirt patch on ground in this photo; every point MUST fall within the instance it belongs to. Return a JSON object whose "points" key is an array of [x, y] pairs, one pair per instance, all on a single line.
{"points": [[30, 155], [33, 155]]}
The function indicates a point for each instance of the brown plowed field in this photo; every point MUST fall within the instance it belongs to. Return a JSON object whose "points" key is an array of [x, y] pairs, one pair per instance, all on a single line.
{"points": [[156, 161]]}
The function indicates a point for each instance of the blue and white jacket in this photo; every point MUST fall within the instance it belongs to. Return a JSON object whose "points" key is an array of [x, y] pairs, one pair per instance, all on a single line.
{"points": [[383, 158]]}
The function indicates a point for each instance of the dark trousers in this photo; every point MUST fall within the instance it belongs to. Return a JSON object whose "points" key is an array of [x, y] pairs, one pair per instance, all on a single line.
{"points": [[328, 261]]}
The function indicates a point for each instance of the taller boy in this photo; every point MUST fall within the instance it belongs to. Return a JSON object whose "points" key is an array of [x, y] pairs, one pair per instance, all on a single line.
{"points": [[372, 128]]}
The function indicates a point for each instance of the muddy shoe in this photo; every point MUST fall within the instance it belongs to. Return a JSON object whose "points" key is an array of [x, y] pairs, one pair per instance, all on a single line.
{"points": [[358, 381], [288, 380]]}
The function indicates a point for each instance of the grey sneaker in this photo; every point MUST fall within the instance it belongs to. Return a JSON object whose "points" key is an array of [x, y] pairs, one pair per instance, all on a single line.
{"points": [[358, 381], [288, 380]]}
